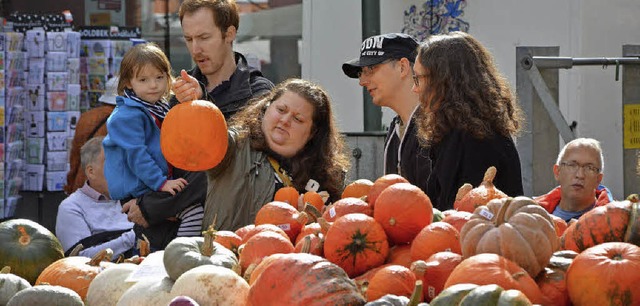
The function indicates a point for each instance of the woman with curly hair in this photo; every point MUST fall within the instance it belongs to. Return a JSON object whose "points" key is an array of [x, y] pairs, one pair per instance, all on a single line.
{"points": [[469, 117], [287, 137]]}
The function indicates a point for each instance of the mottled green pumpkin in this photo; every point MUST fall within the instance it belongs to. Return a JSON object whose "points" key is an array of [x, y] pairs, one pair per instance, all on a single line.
{"points": [[28, 248], [185, 253], [470, 294], [46, 295]]}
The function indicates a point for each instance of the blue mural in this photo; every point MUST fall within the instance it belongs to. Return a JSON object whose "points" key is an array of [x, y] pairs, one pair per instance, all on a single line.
{"points": [[435, 17]]}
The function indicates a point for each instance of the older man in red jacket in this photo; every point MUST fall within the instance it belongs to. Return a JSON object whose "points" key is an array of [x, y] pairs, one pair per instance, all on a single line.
{"points": [[579, 171]]}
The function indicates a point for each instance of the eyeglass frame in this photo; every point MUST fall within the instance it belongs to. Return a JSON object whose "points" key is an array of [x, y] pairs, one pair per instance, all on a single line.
{"points": [[370, 68], [586, 168], [416, 78]]}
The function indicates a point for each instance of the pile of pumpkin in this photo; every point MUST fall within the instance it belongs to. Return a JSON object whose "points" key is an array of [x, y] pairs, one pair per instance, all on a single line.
{"points": [[381, 244]]}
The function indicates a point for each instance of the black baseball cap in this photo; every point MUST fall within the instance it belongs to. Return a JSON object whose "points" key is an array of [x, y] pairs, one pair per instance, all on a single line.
{"points": [[379, 48]]}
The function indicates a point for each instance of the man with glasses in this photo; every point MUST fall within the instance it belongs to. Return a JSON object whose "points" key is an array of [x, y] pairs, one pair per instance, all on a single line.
{"points": [[578, 170], [384, 68]]}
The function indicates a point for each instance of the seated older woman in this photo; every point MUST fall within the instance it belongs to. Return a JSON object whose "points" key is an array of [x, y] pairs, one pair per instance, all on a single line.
{"points": [[286, 137]]}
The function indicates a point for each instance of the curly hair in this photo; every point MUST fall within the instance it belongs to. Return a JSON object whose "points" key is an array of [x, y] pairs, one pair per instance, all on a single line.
{"points": [[323, 158], [464, 90]]}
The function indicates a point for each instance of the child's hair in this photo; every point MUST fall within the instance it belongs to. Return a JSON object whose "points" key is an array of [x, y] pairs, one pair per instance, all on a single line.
{"points": [[139, 56]]}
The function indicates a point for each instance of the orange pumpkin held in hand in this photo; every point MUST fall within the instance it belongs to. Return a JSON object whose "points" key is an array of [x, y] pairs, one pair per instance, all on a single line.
{"points": [[194, 136]]}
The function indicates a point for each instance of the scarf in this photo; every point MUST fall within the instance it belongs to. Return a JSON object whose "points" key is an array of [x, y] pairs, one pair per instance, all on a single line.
{"points": [[159, 109]]}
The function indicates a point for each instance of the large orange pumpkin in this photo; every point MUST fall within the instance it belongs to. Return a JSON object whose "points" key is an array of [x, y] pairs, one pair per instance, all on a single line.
{"points": [[433, 238], [400, 255], [403, 210], [469, 198], [76, 272], [616, 221], [486, 269], [456, 218], [282, 215], [262, 245], [228, 239], [517, 228], [356, 243], [255, 229], [301, 279], [605, 274], [357, 189], [194, 136], [381, 184], [553, 281], [346, 206], [393, 279], [243, 230]]}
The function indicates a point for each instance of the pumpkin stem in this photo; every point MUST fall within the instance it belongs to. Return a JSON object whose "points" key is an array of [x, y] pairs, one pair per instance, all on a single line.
{"points": [[324, 225], [134, 260], [249, 271], [632, 235], [499, 219], [489, 175], [104, 255], [76, 250], [144, 246], [5, 270], [518, 275], [418, 268], [302, 218], [209, 237], [25, 239], [306, 244], [416, 296], [463, 190], [311, 211]]}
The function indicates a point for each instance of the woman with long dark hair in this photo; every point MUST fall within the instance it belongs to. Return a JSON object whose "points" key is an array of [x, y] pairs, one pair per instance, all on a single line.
{"points": [[469, 117]]}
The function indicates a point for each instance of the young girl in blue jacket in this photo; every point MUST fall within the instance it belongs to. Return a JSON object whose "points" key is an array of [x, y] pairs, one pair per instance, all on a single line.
{"points": [[134, 164]]}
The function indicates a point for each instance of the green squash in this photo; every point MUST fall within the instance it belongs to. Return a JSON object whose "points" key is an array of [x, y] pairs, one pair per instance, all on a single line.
{"points": [[185, 253], [394, 300], [28, 248], [46, 295], [10, 284], [437, 215], [472, 295]]}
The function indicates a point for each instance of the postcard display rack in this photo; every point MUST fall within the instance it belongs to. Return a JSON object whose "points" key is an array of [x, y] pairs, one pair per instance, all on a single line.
{"points": [[101, 52], [11, 117], [52, 104]]}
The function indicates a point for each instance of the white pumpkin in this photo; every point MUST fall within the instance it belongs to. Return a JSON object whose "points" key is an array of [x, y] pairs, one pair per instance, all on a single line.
{"points": [[46, 295], [107, 288], [212, 285], [10, 284], [152, 292]]}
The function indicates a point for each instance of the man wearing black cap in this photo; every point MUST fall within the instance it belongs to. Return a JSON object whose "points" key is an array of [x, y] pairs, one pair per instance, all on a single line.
{"points": [[384, 68]]}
